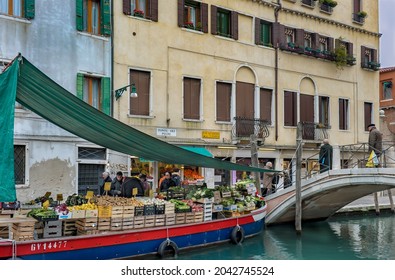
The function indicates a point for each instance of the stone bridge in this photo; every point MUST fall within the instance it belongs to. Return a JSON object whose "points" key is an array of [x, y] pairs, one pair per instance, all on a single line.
{"points": [[324, 194]]}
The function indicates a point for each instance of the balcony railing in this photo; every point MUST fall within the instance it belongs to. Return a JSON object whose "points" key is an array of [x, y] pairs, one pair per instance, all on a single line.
{"points": [[310, 3], [326, 8], [372, 65], [358, 18], [313, 131], [245, 127]]}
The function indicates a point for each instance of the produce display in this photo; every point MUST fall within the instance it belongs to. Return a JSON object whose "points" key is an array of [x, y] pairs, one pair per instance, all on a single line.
{"points": [[43, 214], [76, 200]]}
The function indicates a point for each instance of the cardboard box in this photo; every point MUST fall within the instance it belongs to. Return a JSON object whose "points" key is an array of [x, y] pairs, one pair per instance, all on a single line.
{"points": [[78, 214], [91, 213]]}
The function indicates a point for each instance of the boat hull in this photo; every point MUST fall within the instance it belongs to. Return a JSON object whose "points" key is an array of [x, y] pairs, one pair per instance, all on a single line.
{"points": [[133, 243]]}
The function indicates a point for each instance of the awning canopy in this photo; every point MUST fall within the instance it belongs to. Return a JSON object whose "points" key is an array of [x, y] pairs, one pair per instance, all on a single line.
{"points": [[43, 96], [199, 150]]}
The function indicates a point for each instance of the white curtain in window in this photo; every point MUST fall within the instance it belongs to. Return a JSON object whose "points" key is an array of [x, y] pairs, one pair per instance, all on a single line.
{"points": [[4, 6], [95, 17], [95, 94], [17, 8], [86, 90], [193, 16], [85, 15], [142, 6]]}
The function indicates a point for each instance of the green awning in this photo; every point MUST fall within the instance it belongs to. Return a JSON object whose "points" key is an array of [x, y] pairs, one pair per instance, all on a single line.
{"points": [[43, 96], [199, 150]]}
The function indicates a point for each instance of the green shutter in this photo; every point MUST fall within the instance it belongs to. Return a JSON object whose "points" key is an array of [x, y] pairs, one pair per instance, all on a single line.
{"points": [[105, 17], [80, 86], [106, 95], [79, 15], [29, 10], [265, 34]]}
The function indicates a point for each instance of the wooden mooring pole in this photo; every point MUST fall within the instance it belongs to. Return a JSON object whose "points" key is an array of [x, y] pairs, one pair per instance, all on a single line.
{"points": [[298, 184], [391, 201], [255, 163], [376, 203]]}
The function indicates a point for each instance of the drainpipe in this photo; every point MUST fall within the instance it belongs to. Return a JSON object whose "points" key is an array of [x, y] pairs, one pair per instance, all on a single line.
{"points": [[276, 10], [112, 59]]}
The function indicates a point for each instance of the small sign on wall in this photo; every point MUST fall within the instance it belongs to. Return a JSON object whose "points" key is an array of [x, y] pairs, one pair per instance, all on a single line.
{"points": [[166, 132], [210, 134]]}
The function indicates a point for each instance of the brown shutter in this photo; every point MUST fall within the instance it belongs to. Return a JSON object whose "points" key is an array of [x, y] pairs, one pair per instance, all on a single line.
{"points": [[341, 114], [191, 98], [350, 49], [374, 55], [153, 10], [266, 104], [315, 40], [224, 91], [330, 44], [299, 37], [278, 34], [214, 20], [245, 100], [368, 114], [257, 31], [180, 13], [357, 6], [363, 62], [290, 117], [306, 108], [235, 25], [204, 8], [127, 8], [140, 105]]}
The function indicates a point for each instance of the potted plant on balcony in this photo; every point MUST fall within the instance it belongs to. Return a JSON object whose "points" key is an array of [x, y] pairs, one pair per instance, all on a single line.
{"points": [[189, 24], [330, 3], [362, 14], [340, 57], [138, 13]]}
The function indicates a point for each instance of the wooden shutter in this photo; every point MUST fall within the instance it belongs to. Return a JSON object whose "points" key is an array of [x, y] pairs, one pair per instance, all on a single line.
{"points": [[306, 108], [79, 15], [224, 92], [29, 9], [266, 104], [235, 25], [374, 55], [154, 10], [140, 105], [315, 40], [257, 31], [330, 44], [105, 22], [357, 6], [290, 117], [80, 86], [106, 95], [214, 20], [204, 9], [278, 34], [180, 13], [191, 99], [342, 114], [350, 49], [299, 37], [368, 114], [245, 100], [126, 7], [363, 60]]}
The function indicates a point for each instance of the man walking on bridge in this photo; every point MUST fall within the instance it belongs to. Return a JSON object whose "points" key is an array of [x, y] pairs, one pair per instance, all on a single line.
{"points": [[326, 156], [375, 140]]}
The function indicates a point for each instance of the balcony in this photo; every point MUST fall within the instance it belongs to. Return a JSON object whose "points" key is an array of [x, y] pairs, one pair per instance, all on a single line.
{"points": [[291, 47], [351, 60], [243, 128], [314, 132], [326, 8], [371, 65], [309, 3], [358, 18]]}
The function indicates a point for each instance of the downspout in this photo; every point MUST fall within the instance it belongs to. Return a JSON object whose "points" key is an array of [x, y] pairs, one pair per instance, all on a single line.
{"points": [[276, 10], [112, 59]]}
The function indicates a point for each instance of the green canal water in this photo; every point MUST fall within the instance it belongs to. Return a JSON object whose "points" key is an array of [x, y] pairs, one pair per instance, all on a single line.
{"points": [[363, 237]]}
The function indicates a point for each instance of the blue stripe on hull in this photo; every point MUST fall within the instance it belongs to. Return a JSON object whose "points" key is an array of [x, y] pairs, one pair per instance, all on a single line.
{"points": [[147, 247]]}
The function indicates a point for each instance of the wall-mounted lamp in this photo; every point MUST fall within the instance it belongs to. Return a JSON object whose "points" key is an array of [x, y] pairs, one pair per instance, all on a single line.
{"points": [[120, 91]]}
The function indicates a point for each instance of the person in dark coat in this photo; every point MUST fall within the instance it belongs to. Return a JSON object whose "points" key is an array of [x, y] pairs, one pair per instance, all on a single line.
{"points": [[106, 178], [131, 183], [167, 182], [326, 156], [375, 140], [116, 184]]}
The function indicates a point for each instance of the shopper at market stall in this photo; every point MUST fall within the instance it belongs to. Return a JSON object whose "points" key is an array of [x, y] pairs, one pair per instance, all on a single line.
{"points": [[176, 177], [131, 183], [167, 182], [116, 184], [106, 178], [146, 185], [268, 187]]}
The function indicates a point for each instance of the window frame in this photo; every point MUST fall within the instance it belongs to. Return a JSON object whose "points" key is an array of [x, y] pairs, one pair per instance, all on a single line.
{"points": [[10, 9], [27, 171], [259, 32], [386, 85], [346, 121], [200, 109], [326, 112]]}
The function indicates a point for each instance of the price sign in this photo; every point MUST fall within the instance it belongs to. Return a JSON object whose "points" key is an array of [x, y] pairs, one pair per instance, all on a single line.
{"points": [[89, 194], [47, 194], [59, 197], [134, 192], [46, 204], [107, 186]]}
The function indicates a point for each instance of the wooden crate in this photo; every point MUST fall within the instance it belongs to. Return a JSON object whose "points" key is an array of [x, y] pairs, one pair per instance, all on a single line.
{"points": [[169, 208], [170, 219], [87, 232], [5, 232], [139, 222], [180, 218], [69, 227], [226, 194], [103, 224], [189, 218], [104, 211], [198, 217], [149, 221], [160, 220], [78, 214], [117, 212], [91, 213], [38, 230], [128, 211], [22, 231], [116, 224], [87, 224], [127, 223]]}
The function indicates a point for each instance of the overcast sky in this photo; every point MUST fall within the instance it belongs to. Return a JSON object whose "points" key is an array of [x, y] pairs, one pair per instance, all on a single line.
{"points": [[387, 41]]}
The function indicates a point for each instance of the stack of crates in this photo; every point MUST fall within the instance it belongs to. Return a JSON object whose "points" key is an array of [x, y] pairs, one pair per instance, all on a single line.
{"points": [[128, 217], [86, 226], [207, 212], [170, 216], [116, 218], [22, 231], [69, 228]]}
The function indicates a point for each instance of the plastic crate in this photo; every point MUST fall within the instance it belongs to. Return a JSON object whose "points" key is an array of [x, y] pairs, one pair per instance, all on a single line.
{"points": [[159, 209], [139, 211], [149, 210], [10, 205]]}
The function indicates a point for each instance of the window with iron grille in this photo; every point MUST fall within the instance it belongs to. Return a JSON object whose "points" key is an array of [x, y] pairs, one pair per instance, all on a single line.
{"points": [[89, 177], [91, 153], [20, 164]]}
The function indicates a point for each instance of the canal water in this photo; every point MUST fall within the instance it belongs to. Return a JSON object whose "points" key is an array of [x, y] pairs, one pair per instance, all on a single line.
{"points": [[351, 237]]}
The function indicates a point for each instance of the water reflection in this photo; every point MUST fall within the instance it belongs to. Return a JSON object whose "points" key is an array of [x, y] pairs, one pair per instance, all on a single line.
{"points": [[339, 238]]}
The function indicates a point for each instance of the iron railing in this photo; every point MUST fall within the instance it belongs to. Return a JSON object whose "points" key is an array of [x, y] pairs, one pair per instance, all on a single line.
{"points": [[243, 128], [313, 131]]}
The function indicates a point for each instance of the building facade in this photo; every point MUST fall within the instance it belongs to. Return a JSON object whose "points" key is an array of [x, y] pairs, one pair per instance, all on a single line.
{"points": [[211, 73], [70, 42]]}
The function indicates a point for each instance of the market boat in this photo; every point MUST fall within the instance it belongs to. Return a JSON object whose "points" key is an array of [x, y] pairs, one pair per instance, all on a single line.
{"points": [[137, 242]]}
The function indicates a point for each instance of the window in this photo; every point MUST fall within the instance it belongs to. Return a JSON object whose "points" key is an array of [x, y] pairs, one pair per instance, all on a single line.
{"points": [[223, 104], [357, 16], [90, 168], [263, 33], [266, 104], [224, 23], [147, 9], [307, 41], [94, 91], [324, 111], [387, 90], [141, 104], [369, 59], [91, 153], [20, 164], [18, 8], [306, 112], [193, 15], [343, 114], [368, 109], [290, 108], [289, 36], [93, 16], [192, 98]]}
